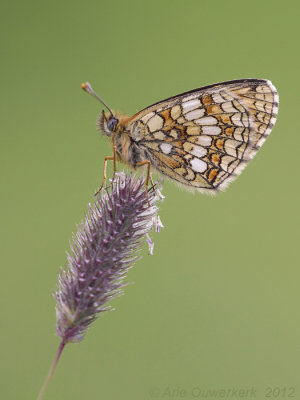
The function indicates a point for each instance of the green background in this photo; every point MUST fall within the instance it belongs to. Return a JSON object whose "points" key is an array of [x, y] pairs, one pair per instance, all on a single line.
{"points": [[217, 306]]}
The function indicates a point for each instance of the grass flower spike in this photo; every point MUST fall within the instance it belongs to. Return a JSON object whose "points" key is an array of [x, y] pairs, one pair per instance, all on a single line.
{"points": [[105, 246], [103, 250]]}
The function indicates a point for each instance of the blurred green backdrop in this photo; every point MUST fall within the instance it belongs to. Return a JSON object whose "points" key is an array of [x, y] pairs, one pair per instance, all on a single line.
{"points": [[217, 306]]}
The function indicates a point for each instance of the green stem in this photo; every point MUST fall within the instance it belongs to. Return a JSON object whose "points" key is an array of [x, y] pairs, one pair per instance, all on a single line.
{"points": [[51, 370]]}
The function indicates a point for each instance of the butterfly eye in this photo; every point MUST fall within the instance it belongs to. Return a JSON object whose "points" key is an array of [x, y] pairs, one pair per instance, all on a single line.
{"points": [[112, 122]]}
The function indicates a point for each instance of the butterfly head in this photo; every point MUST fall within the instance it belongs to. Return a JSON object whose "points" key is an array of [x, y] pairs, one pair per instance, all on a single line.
{"points": [[106, 122]]}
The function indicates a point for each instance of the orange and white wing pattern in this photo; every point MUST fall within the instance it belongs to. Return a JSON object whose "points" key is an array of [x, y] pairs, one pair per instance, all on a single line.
{"points": [[204, 138]]}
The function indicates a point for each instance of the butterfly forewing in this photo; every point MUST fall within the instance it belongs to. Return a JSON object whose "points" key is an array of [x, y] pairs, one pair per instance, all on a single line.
{"points": [[205, 137]]}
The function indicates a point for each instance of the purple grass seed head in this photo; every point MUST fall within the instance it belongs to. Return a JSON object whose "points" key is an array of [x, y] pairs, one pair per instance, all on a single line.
{"points": [[105, 246]]}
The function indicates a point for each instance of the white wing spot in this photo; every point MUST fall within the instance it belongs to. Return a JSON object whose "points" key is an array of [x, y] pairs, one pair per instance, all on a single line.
{"points": [[204, 140], [166, 148], [190, 105], [211, 130], [194, 114], [198, 165], [195, 150], [198, 151], [207, 121]]}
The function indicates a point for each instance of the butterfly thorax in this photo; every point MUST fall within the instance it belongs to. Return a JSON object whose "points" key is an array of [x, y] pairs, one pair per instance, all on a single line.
{"points": [[117, 127]]}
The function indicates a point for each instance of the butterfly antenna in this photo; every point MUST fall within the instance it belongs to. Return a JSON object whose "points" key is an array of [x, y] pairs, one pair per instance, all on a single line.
{"points": [[88, 88]]}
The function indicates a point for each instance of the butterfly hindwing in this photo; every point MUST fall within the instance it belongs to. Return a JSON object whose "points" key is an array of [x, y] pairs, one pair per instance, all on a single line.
{"points": [[205, 137]]}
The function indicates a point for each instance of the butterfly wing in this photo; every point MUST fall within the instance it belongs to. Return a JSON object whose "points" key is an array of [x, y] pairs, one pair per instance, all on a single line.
{"points": [[204, 138]]}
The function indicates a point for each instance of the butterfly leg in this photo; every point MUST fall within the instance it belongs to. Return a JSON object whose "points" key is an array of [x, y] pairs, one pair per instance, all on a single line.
{"points": [[114, 156], [104, 173], [139, 164], [108, 158], [149, 178], [114, 159]]}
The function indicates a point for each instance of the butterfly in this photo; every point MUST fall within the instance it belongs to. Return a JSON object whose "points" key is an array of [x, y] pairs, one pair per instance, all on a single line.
{"points": [[202, 139]]}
